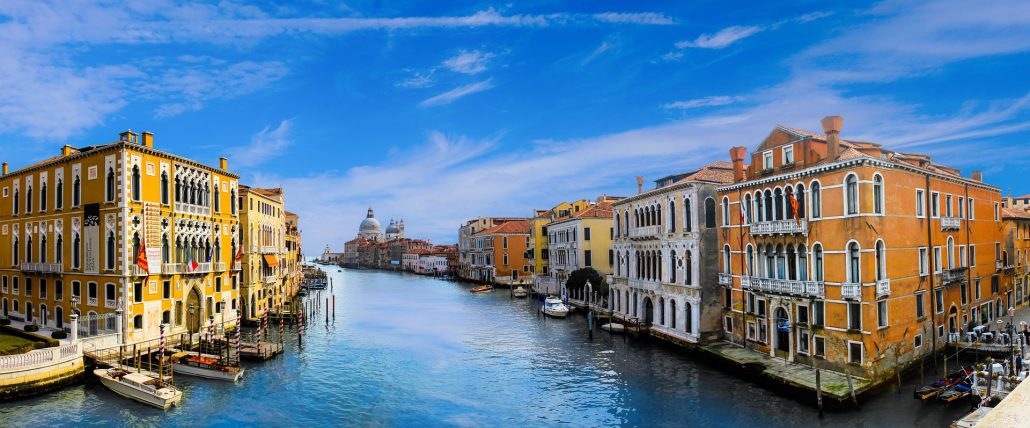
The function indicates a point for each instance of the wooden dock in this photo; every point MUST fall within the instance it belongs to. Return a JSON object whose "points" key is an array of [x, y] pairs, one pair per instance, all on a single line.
{"points": [[259, 351]]}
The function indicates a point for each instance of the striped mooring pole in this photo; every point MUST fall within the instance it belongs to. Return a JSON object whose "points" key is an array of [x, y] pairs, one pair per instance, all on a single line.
{"points": [[211, 332], [282, 323], [265, 328], [239, 327], [160, 372]]}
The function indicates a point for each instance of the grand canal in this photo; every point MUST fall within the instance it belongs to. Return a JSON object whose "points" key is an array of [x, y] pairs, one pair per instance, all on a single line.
{"points": [[406, 350]]}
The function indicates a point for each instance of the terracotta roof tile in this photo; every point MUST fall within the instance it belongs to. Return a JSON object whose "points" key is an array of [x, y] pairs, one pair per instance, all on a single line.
{"points": [[601, 210], [515, 226], [716, 172], [1015, 213]]}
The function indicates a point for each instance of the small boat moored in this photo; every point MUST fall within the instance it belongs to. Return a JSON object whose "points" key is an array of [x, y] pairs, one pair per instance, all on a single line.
{"points": [[613, 327], [554, 307], [520, 292], [140, 387], [205, 366], [482, 289]]}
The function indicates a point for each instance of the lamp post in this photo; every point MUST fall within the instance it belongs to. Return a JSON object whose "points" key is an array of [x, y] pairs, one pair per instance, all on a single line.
{"points": [[1012, 340]]}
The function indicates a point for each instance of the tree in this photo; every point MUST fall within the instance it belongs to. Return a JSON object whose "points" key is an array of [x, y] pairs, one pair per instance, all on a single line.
{"points": [[577, 281]]}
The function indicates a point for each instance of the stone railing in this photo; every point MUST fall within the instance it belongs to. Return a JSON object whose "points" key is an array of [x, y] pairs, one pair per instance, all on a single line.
{"points": [[92, 301], [219, 266], [643, 284], [109, 303], [779, 227], [171, 268], [237, 265], [268, 249], [39, 358], [725, 279], [953, 275], [950, 223], [270, 279], [785, 286], [745, 282], [851, 291], [41, 267], [645, 231], [135, 270], [999, 265], [192, 209], [883, 287]]}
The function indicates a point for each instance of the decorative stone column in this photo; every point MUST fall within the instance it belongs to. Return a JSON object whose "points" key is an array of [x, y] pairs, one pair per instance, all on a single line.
{"points": [[118, 326], [75, 327]]}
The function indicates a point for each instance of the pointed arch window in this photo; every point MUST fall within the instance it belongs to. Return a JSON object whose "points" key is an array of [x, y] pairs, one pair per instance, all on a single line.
{"points": [[135, 247], [59, 195], [109, 188], [672, 266], [137, 191], [164, 187], [59, 249], [110, 251], [42, 196], [688, 277], [28, 199], [14, 251], [672, 216], [16, 200], [42, 249], [688, 216], [76, 250], [28, 249], [76, 191], [232, 196], [165, 249]]}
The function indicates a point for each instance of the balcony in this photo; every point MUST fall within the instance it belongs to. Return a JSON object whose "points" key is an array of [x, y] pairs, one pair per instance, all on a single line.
{"points": [[219, 266], [780, 227], [92, 301], [237, 265], [270, 279], [851, 291], [883, 287], [137, 271], [745, 282], [725, 279], [192, 209], [950, 223], [644, 284], [201, 268], [268, 249], [645, 232], [109, 303], [953, 275], [40, 267], [785, 286], [171, 268], [998, 265]]}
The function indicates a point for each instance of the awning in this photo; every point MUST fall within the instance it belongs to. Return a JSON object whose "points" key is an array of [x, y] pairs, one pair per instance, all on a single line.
{"points": [[271, 260]]}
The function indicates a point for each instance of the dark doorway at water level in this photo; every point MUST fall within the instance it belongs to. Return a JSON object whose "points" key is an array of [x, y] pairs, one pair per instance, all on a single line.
{"points": [[782, 333], [193, 315], [648, 311]]}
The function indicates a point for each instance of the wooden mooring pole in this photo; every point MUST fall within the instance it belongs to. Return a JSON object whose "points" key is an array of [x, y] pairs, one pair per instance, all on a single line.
{"points": [[819, 391], [334, 307], [327, 312], [851, 388]]}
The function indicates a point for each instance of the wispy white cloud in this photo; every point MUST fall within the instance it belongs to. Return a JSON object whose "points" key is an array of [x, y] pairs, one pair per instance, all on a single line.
{"points": [[187, 88], [456, 93], [468, 62], [418, 80], [645, 18], [605, 46], [713, 101], [721, 39], [264, 145]]}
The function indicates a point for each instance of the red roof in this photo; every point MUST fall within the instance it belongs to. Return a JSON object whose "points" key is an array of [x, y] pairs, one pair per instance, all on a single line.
{"points": [[508, 227]]}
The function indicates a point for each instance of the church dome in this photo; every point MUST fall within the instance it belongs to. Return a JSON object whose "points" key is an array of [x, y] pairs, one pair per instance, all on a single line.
{"points": [[369, 226], [392, 228]]}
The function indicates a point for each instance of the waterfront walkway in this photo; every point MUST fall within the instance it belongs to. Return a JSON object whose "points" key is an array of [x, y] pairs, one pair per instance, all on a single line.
{"points": [[834, 385]]}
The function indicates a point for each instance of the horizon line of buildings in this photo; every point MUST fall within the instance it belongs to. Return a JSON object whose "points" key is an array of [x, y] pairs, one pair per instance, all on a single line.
{"points": [[126, 238], [390, 249], [833, 253]]}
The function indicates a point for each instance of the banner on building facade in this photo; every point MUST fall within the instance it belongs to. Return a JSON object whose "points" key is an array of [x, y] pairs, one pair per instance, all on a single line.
{"points": [[91, 238]]}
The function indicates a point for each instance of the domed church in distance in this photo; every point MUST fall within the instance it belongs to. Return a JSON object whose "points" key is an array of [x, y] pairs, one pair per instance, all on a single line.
{"points": [[370, 228]]}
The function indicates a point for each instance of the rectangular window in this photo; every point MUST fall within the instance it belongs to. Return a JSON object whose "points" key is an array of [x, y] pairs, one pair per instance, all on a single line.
{"points": [[971, 206], [42, 288], [935, 204], [761, 308], [137, 292], [881, 313], [962, 256], [961, 207], [763, 333], [965, 293], [854, 316], [166, 290], [727, 298], [820, 346], [938, 297], [504, 242], [923, 269], [918, 341], [586, 258], [947, 205], [166, 317], [920, 310], [920, 201], [59, 290], [994, 284], [803, 314], [788, 155], [803, 340], [752, 330], [76, 289], [218, 284], [611, 257], [855, 352], [937, 259], [767, 160], [3, 281], [586, 233], [751, 303], [728, 324], [972, 255], [997, 251], [818, 315], [976, 289], [997, 212], [28, 287]]}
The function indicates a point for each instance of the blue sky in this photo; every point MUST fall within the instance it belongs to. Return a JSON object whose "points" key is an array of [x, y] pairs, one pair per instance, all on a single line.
{"points": [[437, 112]]}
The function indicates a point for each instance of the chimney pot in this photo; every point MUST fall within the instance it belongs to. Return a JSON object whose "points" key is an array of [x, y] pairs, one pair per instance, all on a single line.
{"points": [[832, 126], [66, 150], [976, 175], [5, 168], [148, 139], [640, 184], [737, 155], [223, 163]]}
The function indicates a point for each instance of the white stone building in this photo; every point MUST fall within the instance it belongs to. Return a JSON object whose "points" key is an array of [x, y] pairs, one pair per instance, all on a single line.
{"points": [[666, 255]]}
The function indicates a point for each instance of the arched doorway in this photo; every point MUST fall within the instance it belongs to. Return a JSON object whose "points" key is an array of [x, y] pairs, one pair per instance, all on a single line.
{"points": [[782, 332], [253, 309], [59, 317], [648, 311], [953, 320], [193, 311]]}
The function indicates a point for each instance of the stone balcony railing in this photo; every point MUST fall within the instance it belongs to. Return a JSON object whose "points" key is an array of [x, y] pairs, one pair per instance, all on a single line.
{"points": [[999, 265], [851, 291], [644, 284], [785, 286], [237, 265], [110, 303], [40, 267], [725, 279], [270, 279], [950, 223], [219, 266], [953, 275], [645, 232], [92, 301], [192, 209], [171, 268], [779, 227], [268, 249], [883, 287]]}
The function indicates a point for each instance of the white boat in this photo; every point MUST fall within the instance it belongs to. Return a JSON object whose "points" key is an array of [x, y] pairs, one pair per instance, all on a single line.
{"points": [[204, 366], [613, 327], [554, 307], [140, 387], [520, 292]]}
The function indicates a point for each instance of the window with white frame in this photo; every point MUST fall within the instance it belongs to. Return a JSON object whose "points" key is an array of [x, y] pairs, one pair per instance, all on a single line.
{"points": [[820, 346], [855, 352], [803, 339], [920, 201], [935, 204], [767, 160], [961, 207], [971, 212], [788, 155], [881, 313], [937, 259], [851, 194], [947, 205]]}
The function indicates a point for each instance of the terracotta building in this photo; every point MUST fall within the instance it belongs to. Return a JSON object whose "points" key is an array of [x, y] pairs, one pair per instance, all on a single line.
{"points": [[848, 256], [498, 254]]}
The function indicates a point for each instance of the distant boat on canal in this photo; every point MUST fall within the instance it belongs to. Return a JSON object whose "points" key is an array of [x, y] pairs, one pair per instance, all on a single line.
{"points": [[140, 387], [205, 367], [482, 289], [520, 292], [613, 327], [554, 307]]}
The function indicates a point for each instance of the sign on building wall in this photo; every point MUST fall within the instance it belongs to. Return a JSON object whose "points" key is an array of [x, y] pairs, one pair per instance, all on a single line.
{"points": [[152, 234], [91, 238]]}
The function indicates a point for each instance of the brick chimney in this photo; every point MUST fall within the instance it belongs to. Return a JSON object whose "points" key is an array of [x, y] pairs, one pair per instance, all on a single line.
{"points": [[737, 155], [832, 126], [148, 139], [223, 163], [66, 150], [640, 184], [976, 175], [5, 168]]}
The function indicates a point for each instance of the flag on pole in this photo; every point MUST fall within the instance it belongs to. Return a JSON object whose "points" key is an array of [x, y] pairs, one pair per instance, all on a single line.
{"points": [[193, 266], [793, 206], [239, 253], [141, 258]]}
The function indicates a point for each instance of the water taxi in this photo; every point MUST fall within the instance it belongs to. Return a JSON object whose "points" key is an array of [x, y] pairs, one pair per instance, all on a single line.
{"points": [[205, 366], [482, 289], [613, 327], [140, 387], [554, 307]]}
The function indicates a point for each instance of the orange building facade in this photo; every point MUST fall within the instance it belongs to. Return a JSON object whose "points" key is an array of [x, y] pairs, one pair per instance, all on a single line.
{"points": [[498, 254], [847, 256]]}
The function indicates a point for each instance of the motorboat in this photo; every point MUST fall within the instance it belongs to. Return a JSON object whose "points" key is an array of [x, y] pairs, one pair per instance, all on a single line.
{"points": [[973, 418], [140, 387], [520, 292], [205, 366], [554, 307], [613, 327], [482, 289]]}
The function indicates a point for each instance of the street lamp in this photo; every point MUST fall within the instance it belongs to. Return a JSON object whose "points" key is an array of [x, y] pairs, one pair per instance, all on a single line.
{"points": [[1012, 340]]}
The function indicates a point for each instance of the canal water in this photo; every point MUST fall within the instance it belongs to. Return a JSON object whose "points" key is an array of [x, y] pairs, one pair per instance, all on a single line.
{"points": [[407, 350]]}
